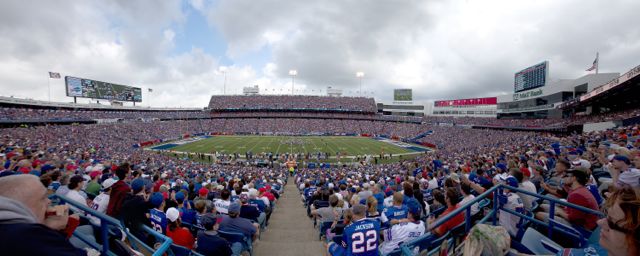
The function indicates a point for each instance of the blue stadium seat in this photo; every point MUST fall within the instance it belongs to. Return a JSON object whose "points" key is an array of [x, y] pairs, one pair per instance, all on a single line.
{"points": [[324, 226], [427, 242], [176, 250], [532, 240], [236, 239]]}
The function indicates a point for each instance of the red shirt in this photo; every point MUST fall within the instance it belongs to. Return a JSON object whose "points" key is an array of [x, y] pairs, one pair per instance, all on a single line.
{"points": [[182, 237], [583, 197], [269, 196], [451, 223]]}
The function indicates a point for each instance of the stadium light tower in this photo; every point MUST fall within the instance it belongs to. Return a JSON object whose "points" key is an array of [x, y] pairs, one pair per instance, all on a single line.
{"points": [[224, 86], [360, 75], [293, 73]]}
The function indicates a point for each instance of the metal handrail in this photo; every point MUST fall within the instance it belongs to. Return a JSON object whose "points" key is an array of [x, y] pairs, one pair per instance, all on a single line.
{"points": [[105, 221], [497, 206]]}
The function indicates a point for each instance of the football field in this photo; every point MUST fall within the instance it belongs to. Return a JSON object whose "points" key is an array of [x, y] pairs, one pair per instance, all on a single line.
{"points": [[346, 145]]}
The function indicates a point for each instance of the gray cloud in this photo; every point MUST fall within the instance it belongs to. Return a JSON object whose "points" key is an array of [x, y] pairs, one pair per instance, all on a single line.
{"points": [[445, 49], [441, 49]]}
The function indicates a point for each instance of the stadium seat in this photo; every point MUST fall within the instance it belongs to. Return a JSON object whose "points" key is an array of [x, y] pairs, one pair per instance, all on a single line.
{"points": [[177, 250], [532, 240], [576, 237], [324, 226], [426, 242], [239, 242]]}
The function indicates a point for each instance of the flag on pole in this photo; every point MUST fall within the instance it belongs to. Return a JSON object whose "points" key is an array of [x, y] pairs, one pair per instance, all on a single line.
{"points": [[595, 64], [54, 75]]}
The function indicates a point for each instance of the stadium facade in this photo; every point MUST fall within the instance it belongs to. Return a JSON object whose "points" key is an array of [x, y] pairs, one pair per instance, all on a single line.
{"points": [[474, 107], [545, 102]]}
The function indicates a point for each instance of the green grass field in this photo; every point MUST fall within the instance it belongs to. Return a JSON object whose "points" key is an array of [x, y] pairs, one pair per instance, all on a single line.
{"points": [[350, 146]]}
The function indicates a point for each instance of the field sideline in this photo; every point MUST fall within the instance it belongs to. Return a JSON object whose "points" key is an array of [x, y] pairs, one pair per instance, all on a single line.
{"points": [[349, 146]]}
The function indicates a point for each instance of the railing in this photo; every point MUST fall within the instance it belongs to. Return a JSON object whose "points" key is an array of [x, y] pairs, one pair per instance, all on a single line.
{"points": [[105, 223], [407, 248]]}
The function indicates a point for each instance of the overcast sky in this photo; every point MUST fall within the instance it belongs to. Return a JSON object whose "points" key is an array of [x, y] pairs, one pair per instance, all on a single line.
{"points": [[441, 49]]}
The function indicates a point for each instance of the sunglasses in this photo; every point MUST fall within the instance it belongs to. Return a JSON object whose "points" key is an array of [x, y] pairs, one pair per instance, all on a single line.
{"points": [[615, 226]]}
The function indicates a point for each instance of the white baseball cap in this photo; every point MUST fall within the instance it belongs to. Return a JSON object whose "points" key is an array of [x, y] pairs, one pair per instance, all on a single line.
{"points": [[172, 214], [108, 183]]}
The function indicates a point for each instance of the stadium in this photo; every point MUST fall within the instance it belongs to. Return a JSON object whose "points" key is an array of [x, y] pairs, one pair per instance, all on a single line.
{"points": [[546, 167]]}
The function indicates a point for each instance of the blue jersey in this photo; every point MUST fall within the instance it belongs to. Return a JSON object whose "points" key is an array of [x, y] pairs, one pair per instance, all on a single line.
{"points": [[308, 192], [361, 238], [158, 221], [394, 213]]}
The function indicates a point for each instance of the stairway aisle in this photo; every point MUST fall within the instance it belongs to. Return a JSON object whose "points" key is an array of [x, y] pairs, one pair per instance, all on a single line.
{"points": [[290, 232]]}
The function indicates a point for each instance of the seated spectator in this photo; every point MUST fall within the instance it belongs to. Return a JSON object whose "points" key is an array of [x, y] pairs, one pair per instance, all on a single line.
{"points": [[392, 215], [622, 173], [135, 209], [522, 176], [222, 204], [119, 191], [234, 223], [467, 197], [438, 201], [180, 235], [359, 237], [575, 179], [75, 185], [512, 201], [101, 201], [372, 208], [23, 214], [405, 231], [620, 233], [248, 211], [209, 243], [331, 213], [452, 199], [157, 217]]}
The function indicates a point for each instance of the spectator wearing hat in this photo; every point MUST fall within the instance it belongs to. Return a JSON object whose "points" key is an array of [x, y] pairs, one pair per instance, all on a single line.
{"points": [[93, 187], [119, 191], [511, 201], [622, 173], [180, 235], [157, 217], [234, 223], [25, 226], [522, 176], [135, 209], [578, 194], [209, 243], [101, 201], [203, 193], [248, 211], [410, 229], [187, 214]]}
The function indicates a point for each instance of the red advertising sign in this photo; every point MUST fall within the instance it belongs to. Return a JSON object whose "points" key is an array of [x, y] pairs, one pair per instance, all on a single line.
{"points": [[467, 102]]}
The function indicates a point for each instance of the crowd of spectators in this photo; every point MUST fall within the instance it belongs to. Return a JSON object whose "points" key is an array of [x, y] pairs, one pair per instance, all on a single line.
{"points": [[591, 170], [362, 104], [10, 113], [88, 163]]}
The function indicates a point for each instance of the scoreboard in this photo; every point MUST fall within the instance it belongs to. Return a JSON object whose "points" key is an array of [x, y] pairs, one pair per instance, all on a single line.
{"points": [[402, 95], [531, 77], [87, 88]]}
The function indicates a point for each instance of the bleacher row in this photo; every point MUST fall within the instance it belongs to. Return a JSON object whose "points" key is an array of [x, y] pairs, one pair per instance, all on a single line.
{"points": [[126, 235], [541, 190]]}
